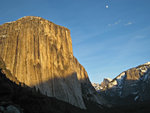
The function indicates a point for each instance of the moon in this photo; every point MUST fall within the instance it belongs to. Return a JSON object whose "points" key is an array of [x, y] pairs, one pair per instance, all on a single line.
{"points": [[106, 6]]}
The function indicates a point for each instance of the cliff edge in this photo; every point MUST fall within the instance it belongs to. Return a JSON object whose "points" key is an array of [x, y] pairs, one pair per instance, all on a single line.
{"points": [[39, 54]]}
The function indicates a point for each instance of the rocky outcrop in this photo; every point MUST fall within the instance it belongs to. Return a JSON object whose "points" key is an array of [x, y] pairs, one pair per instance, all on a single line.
{"points": [[39, 53], [97, 86], [15, 98], [130, 86]]}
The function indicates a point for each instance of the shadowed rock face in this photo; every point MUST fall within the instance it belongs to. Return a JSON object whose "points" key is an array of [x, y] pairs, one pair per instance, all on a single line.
{"points": [[39, 53], [131, 86]]}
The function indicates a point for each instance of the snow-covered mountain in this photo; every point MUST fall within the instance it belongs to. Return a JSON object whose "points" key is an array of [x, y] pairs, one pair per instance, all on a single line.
{"points": [[97, 86], [132, 85]]}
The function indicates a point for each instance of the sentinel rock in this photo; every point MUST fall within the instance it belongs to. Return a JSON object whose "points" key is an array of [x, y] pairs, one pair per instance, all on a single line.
{"points": [[39, 53]]}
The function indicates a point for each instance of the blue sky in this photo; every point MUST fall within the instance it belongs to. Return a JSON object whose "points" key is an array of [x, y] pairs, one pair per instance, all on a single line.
{"points": [[106, 41]]}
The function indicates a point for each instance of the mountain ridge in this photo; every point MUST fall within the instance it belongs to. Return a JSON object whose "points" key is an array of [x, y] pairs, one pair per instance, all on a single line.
{"points": [[131, 86]]}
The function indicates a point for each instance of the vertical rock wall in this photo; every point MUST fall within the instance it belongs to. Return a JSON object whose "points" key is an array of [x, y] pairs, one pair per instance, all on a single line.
{"points": [[39, 53]]}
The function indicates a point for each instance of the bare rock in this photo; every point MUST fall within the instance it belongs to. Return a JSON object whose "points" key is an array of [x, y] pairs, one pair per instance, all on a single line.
{"points": [[131, 86], [39, 53]]}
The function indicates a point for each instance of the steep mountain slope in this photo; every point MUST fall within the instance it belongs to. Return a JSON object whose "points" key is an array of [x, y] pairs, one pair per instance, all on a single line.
{"points": [[26, 100], [39, 54], [131, 86]]}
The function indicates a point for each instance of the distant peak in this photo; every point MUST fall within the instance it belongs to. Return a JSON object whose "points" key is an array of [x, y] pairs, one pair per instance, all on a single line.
{"points": [[148, 63], [109, 79]]}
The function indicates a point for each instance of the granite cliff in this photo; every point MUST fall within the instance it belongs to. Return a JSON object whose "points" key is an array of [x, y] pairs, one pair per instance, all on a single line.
{"points": [[39, 54]]}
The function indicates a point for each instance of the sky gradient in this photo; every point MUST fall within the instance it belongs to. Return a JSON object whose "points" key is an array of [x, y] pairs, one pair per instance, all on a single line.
{"points": [[108, 36]]}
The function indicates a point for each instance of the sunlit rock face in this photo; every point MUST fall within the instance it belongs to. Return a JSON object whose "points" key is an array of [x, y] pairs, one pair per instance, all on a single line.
{"points": [[97, 86], [39, 53], [131, 86]]}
